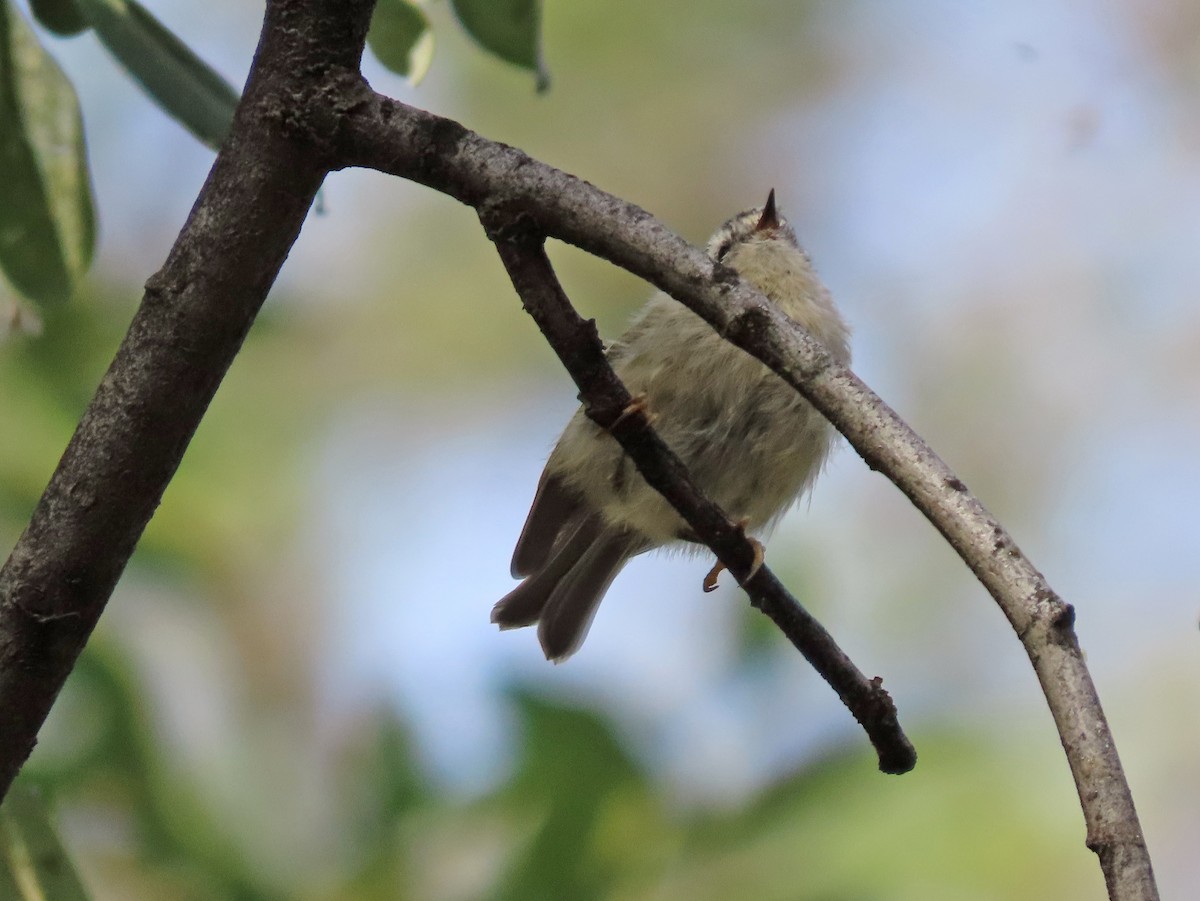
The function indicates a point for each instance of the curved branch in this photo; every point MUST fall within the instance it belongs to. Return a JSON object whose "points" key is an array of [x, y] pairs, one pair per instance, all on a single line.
{"points": [[413, 144]]}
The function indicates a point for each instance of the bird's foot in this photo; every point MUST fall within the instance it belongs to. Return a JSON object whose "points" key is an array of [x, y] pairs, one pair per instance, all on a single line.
{"points": [[760, 555], [710, 580], [639, 404]]}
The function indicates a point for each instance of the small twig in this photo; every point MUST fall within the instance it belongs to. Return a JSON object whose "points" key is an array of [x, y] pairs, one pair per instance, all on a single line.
{"points": [[609, 404]]}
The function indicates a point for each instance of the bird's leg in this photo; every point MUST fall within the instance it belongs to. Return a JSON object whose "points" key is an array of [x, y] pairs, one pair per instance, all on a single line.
{"points": [[710, 581]]}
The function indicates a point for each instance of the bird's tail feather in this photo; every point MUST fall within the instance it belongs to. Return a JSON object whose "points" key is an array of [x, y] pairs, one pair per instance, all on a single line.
{"points": [[563, 595]]}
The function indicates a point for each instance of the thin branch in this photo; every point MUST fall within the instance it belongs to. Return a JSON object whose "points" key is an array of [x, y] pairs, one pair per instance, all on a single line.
{"points": [[608, 403], [391, 137]]}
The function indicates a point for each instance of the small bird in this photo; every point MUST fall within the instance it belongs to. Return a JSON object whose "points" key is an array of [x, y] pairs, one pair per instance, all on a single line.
{"points": [[749, 440]]}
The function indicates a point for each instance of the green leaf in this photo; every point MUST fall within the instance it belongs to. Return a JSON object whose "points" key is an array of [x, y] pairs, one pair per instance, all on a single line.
{"points": [[34, 865], [593, 804], [185, 86], [401, 39], [60, 16], [511, 29], [47, 223]]}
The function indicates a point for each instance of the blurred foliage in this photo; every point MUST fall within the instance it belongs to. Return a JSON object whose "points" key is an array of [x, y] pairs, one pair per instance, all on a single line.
{"points": [[578, 815], [63, 17], [181, 83], [511, 29], [577, 818], [34, 866], [47, 228], [120, 759], [401, 39]]}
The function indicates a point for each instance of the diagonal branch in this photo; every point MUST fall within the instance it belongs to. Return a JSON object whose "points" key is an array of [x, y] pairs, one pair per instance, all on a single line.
{"points": [[607, 401], [191, 323]]}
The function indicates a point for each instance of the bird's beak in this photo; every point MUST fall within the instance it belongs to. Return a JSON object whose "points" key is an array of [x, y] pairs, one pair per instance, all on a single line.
{"points": [[770, 218]]}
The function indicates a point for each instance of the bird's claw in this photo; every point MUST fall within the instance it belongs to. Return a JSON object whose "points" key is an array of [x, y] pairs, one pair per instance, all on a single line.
{"points": [[635, 406], [710, 580], [760, 555]]}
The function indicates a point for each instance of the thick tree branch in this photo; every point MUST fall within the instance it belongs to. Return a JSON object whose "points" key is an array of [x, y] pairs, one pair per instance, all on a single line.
{"points": [[190, 325], [305, 110], [391, 137], [608, 403]]}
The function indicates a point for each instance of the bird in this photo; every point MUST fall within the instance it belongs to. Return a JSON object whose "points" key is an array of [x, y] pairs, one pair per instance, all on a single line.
{"points": [[750, 442]]}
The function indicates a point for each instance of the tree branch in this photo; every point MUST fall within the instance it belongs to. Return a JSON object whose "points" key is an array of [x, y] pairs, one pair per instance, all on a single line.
{"points": [[190, 325], [392, 137], [608, 402]]}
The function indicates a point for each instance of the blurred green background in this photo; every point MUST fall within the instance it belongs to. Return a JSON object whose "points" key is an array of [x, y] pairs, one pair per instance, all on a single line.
{"points": [[295, 691]]}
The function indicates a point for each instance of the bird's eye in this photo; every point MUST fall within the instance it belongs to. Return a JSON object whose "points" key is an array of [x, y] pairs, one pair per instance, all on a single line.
{"points": [[723, 248]]}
